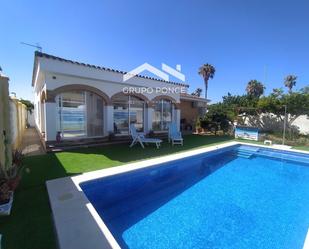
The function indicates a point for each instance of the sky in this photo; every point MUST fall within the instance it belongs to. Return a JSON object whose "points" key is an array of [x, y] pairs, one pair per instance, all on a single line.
{"points": [[244, 40]]}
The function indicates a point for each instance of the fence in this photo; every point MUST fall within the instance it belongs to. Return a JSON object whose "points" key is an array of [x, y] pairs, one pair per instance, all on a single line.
{"points": [[13, 115]]}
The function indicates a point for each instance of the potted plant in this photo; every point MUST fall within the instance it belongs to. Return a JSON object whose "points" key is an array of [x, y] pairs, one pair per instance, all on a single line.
{"points": [[58, 137], [111, 136], [151, 134], [6, 198], [198, 128], [9, 180]]}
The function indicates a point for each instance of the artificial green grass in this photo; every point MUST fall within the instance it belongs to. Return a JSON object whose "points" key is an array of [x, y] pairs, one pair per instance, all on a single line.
{"points": [[30, 224], [306, 148]]}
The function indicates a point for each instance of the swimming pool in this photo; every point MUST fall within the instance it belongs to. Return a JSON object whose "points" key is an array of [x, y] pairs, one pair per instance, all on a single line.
{"points": [[235, 197]]}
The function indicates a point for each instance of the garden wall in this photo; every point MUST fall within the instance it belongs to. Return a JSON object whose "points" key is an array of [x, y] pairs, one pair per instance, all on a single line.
{"points": [[18, 120], [269, 122], [302, 122], [5, 148], [13, 116]]}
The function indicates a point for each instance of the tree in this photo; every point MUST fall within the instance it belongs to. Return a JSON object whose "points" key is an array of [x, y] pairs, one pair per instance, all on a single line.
{"points": [[305, 90], [243, 106], [255, 88], [290, 82], [219, 115], [207, 71], [197, 92], [297, 104], [219, 111], [277, 92], [232, 107], [28, 104]]}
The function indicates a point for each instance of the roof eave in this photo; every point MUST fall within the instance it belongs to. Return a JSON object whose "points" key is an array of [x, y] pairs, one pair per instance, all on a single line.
{"points": [[195, 99], [40, 54], [35, 68]]}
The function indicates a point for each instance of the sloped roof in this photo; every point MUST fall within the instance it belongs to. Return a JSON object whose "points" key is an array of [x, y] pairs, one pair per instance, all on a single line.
{"points": [[187, 96], [48, 56]]}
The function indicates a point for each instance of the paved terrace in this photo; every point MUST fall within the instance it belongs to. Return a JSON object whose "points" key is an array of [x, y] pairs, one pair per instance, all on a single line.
{"points": [[31, 144]]}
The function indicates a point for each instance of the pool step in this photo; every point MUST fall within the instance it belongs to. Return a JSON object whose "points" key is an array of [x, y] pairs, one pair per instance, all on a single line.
{"points": [[248, 148], [246, 152], [288, 157]]}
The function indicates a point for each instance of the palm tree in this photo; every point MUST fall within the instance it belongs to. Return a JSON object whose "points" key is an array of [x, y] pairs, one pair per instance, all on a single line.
{"points": [[290, 82], [305, 90], [207, 71], [197, 92], [277, 92], [255, 88]]}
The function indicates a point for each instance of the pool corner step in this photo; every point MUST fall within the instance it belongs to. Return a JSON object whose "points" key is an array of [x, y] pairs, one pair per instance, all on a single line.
{"points": [[244, 154]]}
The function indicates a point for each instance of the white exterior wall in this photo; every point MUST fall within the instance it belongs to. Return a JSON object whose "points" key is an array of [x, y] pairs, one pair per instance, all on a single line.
{"points": [[108, 87], [31, 119], [36, 110], [108, 119], [50, 124], [43, 117], [148, 118], [54, 74], [177, 118], [106, 81]]}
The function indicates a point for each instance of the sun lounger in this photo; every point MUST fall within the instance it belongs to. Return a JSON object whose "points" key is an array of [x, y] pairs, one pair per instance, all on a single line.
{"points": [[141, 139]]}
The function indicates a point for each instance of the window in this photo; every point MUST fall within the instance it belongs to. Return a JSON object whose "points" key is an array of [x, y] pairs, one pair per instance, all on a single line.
{"points": [[80, 114], [128, 110], [162, 115]]}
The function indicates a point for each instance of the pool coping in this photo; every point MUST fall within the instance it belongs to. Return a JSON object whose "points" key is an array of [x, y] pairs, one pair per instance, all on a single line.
{"points": [[77, 223]]}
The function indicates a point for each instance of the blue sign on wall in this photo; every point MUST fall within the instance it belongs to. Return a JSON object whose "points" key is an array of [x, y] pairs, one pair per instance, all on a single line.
{"points": [[245, 132]]}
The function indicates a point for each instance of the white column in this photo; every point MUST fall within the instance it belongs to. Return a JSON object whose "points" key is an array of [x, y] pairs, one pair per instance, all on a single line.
{"points": [[108, 119], [148, 119], [50, 120], [43, 111], [177, 118]]}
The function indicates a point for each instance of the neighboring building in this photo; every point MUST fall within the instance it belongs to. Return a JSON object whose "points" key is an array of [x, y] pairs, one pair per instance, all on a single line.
{"points": [[79, 100]]}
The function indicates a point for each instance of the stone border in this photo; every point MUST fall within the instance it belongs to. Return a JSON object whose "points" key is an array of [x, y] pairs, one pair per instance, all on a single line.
{"points": [[77, 223]]}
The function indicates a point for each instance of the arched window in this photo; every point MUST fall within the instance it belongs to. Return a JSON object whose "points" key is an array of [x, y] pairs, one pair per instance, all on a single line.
{"points": [[80, 114], [162, 115], [128, 110]]}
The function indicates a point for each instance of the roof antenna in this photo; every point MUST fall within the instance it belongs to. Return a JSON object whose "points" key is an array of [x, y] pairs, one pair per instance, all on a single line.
{"points": [[37, 46]]}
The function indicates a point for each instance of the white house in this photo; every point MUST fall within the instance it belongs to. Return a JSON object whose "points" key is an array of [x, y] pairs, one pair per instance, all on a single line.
{"points": [[80, 101]]}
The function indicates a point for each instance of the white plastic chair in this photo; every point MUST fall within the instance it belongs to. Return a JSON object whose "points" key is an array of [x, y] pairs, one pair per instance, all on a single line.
{"points": [[174, 135]]}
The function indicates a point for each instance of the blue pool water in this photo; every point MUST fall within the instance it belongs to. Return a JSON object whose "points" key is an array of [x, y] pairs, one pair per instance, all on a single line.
{"points": [[234, 198]]}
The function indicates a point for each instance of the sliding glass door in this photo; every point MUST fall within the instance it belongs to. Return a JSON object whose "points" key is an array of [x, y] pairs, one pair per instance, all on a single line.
{"points": [[128, 110], [162, 115], [80, 114], [72, 114], [137, 113], [121, 118]]}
